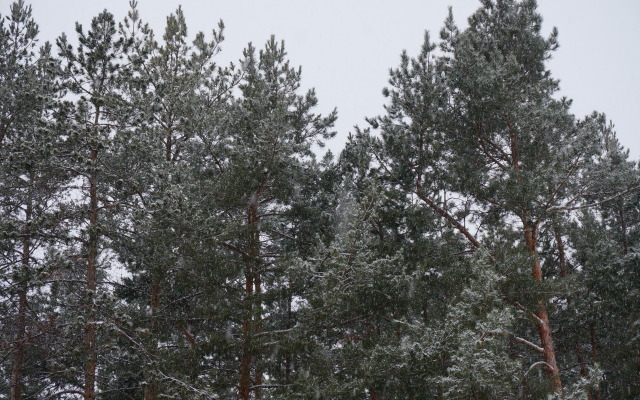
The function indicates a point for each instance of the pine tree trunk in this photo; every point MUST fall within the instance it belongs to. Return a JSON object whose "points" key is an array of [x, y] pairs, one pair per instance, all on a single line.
{"points": [[594, 355], [90, 330], [151, 390], [91, 356], [21, 339], [251, 281], [3, 134], [623, 229], [542, 322], [564, 272], [584, 372], [531, 241], [287, 360], [258, 327], [18, 354], [562, 259], [244, 390]]}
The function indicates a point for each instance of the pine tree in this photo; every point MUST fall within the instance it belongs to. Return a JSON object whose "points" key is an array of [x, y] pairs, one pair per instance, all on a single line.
{"points": [[476, 134], [175, 88], [167, 231], [346, 313], [94, 73], [29, 183], [272, 130], [478, 330], [604, 239]]}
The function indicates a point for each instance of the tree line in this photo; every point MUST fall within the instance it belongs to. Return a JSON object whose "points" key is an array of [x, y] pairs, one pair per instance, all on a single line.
{"points": [[168, 230]]}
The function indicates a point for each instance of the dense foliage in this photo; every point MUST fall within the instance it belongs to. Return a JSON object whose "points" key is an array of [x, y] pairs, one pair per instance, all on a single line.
{"points": [[168, 232]]}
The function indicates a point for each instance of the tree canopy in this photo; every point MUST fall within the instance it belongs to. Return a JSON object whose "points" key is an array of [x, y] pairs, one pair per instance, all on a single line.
{"points": [[169, 231]]}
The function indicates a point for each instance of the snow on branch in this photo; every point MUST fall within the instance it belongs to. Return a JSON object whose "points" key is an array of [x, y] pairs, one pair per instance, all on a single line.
{"points": [[516, 339], [538, 364]]}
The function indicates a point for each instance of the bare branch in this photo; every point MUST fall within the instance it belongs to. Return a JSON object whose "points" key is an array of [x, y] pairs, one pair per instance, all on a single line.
{"points": [[566, 207], [538, 364], [562, 184], [234, 248], [275, 332], [58, 394], [517, 339], [522, 308], [446, 216]]}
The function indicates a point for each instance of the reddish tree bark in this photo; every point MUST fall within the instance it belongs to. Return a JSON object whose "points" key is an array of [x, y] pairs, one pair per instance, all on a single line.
{"points": [[542, 321], [251, 281]]}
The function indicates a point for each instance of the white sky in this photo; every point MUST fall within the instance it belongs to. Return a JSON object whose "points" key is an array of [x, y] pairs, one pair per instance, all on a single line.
{"points": [[346, 47]]}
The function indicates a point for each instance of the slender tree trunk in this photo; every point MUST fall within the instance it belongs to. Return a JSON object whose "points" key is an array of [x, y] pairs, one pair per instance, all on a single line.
{"points": [[258, 327], [584, 371], [564, 272], [21, 338], [542, 321], [92, 278], [3, 133], [254, 254], [151, 390], [252, 281], [287, 360], [623, 229], [18, 354], [594, 355], [562, 259], [244, 390], [168, 146], [90, 347]]}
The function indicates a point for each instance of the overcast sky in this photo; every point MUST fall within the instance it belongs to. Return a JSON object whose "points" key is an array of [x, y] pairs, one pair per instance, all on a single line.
{"points": [[346, 47]]}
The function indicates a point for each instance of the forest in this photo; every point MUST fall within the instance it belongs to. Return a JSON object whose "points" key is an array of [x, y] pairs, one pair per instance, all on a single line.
{"points": [[171, 229]]}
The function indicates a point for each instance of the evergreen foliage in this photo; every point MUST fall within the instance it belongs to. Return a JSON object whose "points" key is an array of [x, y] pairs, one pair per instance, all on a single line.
{"points": [[167, 231]]}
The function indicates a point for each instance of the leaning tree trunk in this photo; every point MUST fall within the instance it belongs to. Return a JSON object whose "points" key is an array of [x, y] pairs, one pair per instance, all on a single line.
{"points": [[530, 231], [542, 317]]}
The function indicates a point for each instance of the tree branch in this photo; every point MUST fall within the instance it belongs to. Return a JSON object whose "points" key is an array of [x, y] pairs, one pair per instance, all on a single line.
{"points": [[566, 207], [518, 340], [537, 364], [446, 216], [58, 394]]}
